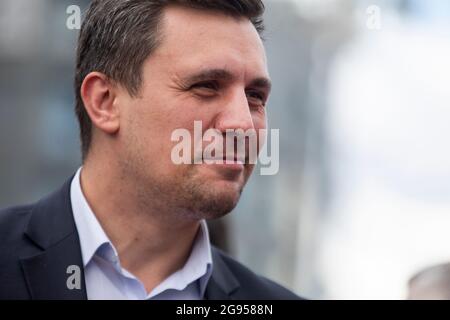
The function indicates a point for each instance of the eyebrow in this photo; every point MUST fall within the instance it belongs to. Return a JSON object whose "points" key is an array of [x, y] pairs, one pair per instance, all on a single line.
{"points": [[222, 74], [263, 83]]}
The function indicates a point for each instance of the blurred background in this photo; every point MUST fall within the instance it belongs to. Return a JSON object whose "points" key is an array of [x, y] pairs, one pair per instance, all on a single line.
{"points": [[360, 208]]}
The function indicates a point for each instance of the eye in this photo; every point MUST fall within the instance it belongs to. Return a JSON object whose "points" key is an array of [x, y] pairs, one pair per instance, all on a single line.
{"points": [[209, 85], [256, 97]]}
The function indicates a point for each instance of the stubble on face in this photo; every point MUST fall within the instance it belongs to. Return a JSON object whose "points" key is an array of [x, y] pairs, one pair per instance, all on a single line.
{"points": [[188, 193], [211, 199]]}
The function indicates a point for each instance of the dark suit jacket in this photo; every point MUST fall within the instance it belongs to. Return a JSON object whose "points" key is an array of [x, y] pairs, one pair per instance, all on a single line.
{"points": [[39, 242]]}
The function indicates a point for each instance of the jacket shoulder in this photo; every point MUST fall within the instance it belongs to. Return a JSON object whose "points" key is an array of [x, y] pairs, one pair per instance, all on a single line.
{"points": [[254, 286], [13, 222], [14, 245]]}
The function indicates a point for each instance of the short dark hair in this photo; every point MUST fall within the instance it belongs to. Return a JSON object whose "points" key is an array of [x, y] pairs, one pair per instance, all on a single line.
{"points": [[118, 35]]}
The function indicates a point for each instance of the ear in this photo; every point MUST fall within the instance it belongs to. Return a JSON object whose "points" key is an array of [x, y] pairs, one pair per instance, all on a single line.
{"points": [[99, 94]]}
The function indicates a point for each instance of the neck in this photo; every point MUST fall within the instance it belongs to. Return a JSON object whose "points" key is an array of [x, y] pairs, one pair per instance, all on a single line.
{"points": [[152, 243]]}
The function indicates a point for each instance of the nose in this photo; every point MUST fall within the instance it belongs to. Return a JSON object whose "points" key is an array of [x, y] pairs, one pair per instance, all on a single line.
{"points": [[235, 114]]}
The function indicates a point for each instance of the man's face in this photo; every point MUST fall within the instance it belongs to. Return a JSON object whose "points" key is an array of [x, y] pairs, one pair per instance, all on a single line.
{"points": [[209, 67]]}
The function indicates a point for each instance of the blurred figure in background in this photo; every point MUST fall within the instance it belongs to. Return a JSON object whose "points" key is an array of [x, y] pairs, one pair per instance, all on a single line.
{"points": [[432, 283]]}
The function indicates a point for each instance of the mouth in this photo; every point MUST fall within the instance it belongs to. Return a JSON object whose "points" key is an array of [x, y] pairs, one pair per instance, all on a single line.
{"points": [[232, 164], [236, 159]]}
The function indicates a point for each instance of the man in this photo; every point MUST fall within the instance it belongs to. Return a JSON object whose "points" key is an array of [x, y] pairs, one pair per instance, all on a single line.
{"points": [[131, 223]]}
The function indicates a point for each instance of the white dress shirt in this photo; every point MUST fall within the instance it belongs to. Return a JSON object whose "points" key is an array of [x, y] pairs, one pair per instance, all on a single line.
{"points": [[106, 279]]}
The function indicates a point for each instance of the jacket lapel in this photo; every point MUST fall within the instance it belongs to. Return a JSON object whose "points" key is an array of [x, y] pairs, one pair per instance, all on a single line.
{"points": [[223, 284], [55, 269]]}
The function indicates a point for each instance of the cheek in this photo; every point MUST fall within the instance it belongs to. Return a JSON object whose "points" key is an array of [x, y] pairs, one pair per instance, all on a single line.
{"points": [[144, 138], [260, 124], [259, 118]]}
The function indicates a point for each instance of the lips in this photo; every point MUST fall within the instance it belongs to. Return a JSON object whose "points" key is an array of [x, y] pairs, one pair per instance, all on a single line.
{"points": [[231, 160], [237, 160]]}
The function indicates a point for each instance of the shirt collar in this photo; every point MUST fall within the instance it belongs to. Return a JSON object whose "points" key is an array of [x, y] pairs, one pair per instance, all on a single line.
{"points": [[91, 234], [93, 241]]}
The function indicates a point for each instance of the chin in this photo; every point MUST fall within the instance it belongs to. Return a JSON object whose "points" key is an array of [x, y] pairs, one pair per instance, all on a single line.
{"points": [[217, 200], [208, 192]]}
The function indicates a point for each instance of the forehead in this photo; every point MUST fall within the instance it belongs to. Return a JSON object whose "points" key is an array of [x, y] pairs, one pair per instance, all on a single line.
{"points": [[193, 38]]}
